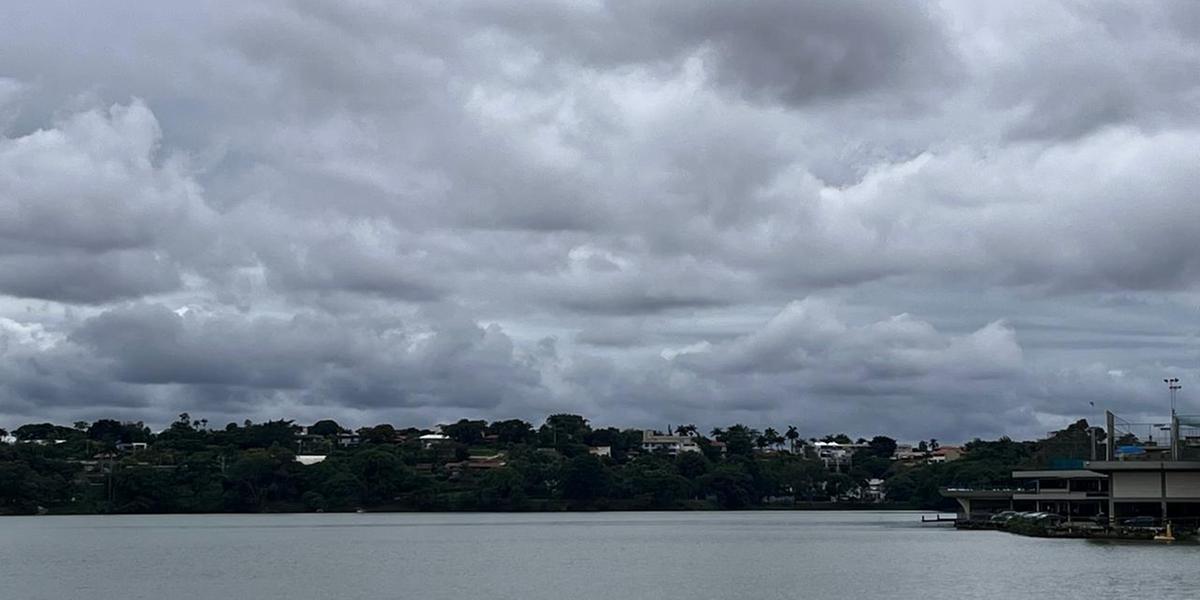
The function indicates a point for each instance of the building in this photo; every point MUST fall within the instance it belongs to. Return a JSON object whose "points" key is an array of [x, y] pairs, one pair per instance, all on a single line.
{"points": [[945, 454], [42, 442], [906, 452], [131, 446], [873, 491], [652, 441], [1070, 493], [348, 439], [479, 463], [1153, 469], [601, 451], [430, 440], [310, 459], [1149, 470], [834, 455]]}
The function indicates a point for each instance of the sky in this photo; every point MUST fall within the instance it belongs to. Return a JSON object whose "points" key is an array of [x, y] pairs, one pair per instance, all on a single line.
{"points": [[943, 220]]}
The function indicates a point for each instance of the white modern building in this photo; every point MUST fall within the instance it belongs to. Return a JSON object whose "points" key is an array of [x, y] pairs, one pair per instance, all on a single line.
{"points": [[653, 441], [835, 455]]}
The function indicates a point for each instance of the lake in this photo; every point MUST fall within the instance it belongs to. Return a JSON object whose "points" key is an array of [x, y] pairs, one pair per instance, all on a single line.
{"points": [[610, 556]]}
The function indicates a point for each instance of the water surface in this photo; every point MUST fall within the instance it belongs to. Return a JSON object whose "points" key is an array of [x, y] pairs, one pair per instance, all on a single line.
{"points": [[609, 556]]}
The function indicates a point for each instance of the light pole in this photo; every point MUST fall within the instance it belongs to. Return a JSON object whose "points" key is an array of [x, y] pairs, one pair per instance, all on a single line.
{"points": [[1173, 386]]}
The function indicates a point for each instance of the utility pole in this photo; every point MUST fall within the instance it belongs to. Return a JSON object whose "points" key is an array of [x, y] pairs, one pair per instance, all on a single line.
{"points": [[1174, 387]]}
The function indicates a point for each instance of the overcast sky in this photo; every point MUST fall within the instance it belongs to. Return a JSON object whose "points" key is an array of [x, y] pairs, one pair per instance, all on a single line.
{"points": [[968, 219]]}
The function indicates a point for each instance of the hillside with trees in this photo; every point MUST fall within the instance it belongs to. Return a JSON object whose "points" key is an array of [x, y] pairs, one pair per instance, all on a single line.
{"points": [[510, 465]]}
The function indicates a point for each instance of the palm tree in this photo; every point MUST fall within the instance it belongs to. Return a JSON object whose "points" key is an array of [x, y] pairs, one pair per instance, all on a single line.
{"points": [[717, 432], [771, 436], [688, 430], [792, 435]]}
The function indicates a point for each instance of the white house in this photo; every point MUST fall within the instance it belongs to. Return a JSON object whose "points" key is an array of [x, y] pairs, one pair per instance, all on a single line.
{"points": [[673, 444], [907, 452], [430, 440], [835, 455]]}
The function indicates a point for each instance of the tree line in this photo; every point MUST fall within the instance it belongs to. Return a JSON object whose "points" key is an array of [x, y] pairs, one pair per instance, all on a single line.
{"points": [[109, 466]]}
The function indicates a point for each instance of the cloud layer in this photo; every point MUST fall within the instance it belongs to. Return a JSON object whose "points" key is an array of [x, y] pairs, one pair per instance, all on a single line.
{"points": [[947, 221]]}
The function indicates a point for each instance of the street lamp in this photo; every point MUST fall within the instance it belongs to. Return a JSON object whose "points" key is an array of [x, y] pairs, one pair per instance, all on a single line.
{"points": [[1173, 386]]}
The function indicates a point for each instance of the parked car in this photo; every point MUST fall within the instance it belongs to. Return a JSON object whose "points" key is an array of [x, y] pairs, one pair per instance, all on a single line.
{"points": [[1142, 521]]}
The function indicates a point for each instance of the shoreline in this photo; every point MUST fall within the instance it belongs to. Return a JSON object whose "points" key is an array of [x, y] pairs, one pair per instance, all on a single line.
{"points": [[847, 509]]}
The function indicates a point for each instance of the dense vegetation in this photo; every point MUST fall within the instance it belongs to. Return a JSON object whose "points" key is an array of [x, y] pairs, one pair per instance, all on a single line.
{"points": [[500, 466]]}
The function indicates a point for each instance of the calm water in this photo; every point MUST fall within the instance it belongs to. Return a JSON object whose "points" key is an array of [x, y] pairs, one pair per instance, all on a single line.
{"points": [[610, 556]]}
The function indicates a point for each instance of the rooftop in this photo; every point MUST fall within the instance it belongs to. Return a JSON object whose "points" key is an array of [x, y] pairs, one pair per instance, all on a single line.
{"points": [[1057, 474]]}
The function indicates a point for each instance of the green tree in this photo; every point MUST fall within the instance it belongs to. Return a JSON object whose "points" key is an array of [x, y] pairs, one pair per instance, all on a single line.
{"points": [[382, 473], [692, 465], [655, 484], [379, 434], [502, 489], [563, 429], [260, 476], [739, 440], [882, 446], [512, 431], [325, 427], [584, 478], [730, 485], [466, 431], [839, 438], [792, 435]]}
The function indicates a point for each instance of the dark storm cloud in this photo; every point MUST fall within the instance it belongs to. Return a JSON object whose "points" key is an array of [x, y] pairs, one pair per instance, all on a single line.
{"points": [[793, 52], [456, 363], [857, 216], [85, 278]]}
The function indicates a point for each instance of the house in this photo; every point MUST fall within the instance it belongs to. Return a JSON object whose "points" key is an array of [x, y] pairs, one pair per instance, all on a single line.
{"points": [[653, 441], [348, 439], [310, 459], [430, 440], [307, 443], [835, 455], [479, 463], [601, 451], [906, 452], [873, 491], [131, 446], [945, 454]]}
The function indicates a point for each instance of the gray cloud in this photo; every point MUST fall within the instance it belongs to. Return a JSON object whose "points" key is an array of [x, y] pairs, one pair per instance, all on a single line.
{"points": [[934, 221], [793, 52]]}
